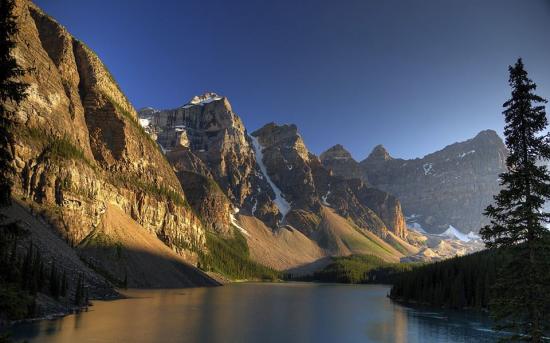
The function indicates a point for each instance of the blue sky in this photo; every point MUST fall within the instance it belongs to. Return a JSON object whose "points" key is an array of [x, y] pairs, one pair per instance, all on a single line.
{"points": [[412, 75]]}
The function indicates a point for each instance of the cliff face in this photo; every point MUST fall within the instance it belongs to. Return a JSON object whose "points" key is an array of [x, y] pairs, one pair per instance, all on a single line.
{"points": [[340, 162], [203, 193], [308, 186], [270, 174], [208, 129], [448, 187], [79, 148]]}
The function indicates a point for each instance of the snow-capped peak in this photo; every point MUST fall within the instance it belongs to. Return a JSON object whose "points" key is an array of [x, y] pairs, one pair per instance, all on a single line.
{"points": [[452, 232], [205, 98]]}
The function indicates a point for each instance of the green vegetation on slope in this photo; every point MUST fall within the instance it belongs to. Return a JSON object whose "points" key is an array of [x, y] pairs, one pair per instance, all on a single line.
{"points": [[231, 258], [460, 282], [159, 191], [358, 269], [55, 147]]}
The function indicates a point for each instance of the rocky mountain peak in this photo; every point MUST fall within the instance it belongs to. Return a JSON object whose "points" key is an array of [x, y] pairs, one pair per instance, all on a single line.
{"points": [[340, 162], [283, 137], [337, 152], [204, 98], [379, 153], [488, 136]]}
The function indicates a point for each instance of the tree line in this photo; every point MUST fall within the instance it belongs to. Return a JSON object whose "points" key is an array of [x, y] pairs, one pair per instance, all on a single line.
{"points": [[23, 276], [356, 269], [457, 283], [512, 278]]}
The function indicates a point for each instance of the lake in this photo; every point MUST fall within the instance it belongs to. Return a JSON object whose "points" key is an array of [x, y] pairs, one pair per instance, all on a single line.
{"points": [[259, 312]]}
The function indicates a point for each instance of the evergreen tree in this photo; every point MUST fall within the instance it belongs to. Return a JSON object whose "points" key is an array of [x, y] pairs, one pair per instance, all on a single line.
{"points": [[79, 291], [125, 282], [64, 284], [54, 282], [12, 92], [521, 298]]}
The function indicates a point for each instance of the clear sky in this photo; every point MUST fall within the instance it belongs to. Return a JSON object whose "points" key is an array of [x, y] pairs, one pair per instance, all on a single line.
{"points": [[412, 75]]}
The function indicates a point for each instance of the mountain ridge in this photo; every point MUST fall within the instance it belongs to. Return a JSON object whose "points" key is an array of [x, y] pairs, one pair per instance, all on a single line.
{"points": [[469, 167]]}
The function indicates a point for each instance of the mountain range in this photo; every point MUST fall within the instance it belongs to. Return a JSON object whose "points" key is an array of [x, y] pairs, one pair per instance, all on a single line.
{"points": [[145, 197]]}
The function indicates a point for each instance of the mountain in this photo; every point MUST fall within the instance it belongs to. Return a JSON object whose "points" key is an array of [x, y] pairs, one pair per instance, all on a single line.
{"points": [[89, 173], [271, 176], [206, 137], [447, 188], [338, 160], [144, 198]]}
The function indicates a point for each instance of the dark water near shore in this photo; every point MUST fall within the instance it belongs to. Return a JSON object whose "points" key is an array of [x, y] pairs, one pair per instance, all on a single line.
{"points": [[259, 312]]}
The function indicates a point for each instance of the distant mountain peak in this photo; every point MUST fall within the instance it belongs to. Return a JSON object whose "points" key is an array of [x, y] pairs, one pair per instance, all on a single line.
{"points": [[204, 98], [379, 153], [336, 152], [487, 135]]}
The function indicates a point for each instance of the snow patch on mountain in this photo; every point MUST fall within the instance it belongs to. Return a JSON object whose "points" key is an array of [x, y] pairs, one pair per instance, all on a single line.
{"points": [[324, 199], [282, 204], [462, 155], [237, 225], [144, 122], [452, 232], [427, 168], [206, 98]]}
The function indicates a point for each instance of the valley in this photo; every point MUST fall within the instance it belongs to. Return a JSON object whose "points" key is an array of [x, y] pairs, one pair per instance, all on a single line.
{"points": [[213, 212]]}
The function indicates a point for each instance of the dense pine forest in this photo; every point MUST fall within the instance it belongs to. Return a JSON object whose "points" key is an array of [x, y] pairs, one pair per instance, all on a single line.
{"points": [[460, 282], [357, 269]]}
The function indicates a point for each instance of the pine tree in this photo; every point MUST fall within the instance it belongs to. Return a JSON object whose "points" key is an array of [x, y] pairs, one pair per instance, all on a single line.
{"points": [[12, 92], [64, 284], [125, 282], [54, 281], [521, 297], [79, 291]]}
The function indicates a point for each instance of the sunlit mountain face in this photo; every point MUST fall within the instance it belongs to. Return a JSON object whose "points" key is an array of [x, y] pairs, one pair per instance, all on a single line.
{"points": [[312, 142]]}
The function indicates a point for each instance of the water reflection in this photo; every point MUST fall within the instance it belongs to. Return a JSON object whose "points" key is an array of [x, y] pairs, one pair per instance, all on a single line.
{"points": [[290, 312]]}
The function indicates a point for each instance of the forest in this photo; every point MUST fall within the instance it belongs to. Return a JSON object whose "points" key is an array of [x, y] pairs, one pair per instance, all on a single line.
{"points": [[357, 269], [457, 283]]}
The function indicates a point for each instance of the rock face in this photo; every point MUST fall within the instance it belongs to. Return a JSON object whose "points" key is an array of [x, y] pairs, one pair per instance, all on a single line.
{"points": [[270, 174], [203, 193], [79, 147], [210, 131], [308, 186], [448, 187], [340, 162]]}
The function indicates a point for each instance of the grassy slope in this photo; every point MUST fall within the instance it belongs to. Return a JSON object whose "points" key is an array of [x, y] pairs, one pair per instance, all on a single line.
{"points": [[230, 257], [342, 238]]}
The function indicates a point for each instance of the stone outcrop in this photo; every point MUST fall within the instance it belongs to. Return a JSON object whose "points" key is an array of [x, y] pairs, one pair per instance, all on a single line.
{"points": [[79, 147], [340, 162], [202, 191]]}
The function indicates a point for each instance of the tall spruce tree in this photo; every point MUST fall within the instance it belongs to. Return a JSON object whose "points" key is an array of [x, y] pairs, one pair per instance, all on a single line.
{"points": [[12, 92], [521, 295]]}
